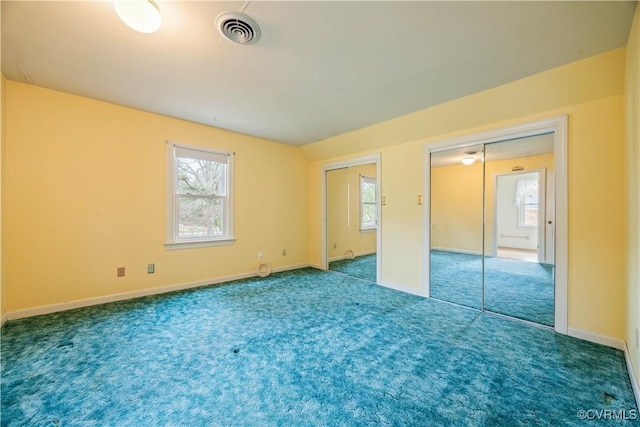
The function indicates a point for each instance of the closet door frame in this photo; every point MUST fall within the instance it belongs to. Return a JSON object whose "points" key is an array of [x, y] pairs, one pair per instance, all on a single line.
{"points": [[558, 125]]}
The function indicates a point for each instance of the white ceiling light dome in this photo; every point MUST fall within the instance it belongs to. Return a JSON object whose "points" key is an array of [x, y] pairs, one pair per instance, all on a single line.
{"points": [[469, 158], [238, 27], [140, 15]]}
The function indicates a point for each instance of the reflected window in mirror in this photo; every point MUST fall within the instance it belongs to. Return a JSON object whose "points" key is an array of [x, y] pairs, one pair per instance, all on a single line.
{"points": [[527, 202], [368, 203]]}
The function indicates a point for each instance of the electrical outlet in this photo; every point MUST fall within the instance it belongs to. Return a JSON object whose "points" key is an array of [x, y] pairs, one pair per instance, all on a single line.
{"points": [[151, 268], [259, 255], [284, 252], [335, 246], [120, 271]]}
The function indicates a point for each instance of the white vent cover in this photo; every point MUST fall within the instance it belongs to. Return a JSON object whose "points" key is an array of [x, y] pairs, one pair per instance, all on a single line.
{"points": [[238, 27]]}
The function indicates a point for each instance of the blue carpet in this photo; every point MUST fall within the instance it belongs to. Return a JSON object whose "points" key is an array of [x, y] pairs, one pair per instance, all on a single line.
{"points": [[514, 288], [363, 267], [301, 348]]}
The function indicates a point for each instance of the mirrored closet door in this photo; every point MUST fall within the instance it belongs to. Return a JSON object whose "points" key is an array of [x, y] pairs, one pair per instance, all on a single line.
{"points": [[456, 226], [492, 227], [352, 212], [519, 238]]}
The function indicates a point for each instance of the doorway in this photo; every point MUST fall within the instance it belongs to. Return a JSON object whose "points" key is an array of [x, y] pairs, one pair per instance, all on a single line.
{"points": [[520, 216], [496, 222]]}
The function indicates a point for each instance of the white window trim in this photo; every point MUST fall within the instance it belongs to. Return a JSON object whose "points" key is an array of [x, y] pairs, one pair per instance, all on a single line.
{"points": [[522, 208], [374, 203], [521, 216], [172, 241]]}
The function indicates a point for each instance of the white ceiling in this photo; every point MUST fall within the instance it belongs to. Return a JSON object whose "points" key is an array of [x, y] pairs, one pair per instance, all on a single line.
{"points": [[320, 68]]}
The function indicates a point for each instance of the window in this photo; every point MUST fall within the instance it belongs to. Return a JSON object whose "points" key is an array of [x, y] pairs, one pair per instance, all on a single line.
{"points": [[368, 203], [200, 208], [527, 202]]}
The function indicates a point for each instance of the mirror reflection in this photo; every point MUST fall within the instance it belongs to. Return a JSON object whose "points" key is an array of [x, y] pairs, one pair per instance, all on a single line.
{"points": [[456, 226], [352, 212], [502, 262], [519, 238]]}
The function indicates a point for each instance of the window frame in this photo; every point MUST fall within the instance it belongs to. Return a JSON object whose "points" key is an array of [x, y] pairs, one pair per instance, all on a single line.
{"points": [[173, 241], [364, 178], [522, 206]]}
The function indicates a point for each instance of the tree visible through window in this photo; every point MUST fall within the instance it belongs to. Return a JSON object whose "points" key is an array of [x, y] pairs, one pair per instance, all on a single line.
{"points": [[527, 202], [201, 195], [368, 203]]}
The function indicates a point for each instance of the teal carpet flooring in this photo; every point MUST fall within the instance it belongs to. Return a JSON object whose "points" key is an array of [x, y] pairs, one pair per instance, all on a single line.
{"points": [[363, 267], [524, 290], [300, 348]]}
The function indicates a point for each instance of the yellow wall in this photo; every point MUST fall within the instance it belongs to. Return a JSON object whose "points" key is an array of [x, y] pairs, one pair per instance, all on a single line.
{"points": [[591, 93], [337, 213], [632, 91], [85, 193], [456, 208], [343, 213]]}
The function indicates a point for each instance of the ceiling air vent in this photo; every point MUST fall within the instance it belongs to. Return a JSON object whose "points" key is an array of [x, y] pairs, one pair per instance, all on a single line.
{"points": [[238, 27]]}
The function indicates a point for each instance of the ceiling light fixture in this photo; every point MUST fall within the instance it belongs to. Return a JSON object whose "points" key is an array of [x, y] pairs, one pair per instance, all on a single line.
{"points": [[140, 15], [469, 159]]}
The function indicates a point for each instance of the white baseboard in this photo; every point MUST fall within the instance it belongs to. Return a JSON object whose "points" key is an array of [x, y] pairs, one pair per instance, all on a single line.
{"points": [[288, 268], [598, 339], [632, 376], [54, 308], [616, 343], [371, 252], [460, 251], [355, 255], [401, 289]]}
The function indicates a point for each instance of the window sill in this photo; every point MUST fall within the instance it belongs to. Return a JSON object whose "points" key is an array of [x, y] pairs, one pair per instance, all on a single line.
{"points": [[190, 244], [368, 230]]}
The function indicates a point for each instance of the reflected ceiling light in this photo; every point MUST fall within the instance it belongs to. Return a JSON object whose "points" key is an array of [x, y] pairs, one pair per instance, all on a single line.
{"points": [[468, 160], [141, 15]]}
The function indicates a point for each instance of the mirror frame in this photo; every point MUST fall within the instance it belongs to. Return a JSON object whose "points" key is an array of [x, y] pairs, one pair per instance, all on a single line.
{"points": [[558, 125]]}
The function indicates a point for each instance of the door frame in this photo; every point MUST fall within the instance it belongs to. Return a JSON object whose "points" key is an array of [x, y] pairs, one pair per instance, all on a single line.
{"points": [[558, 125], [357, 161]]}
